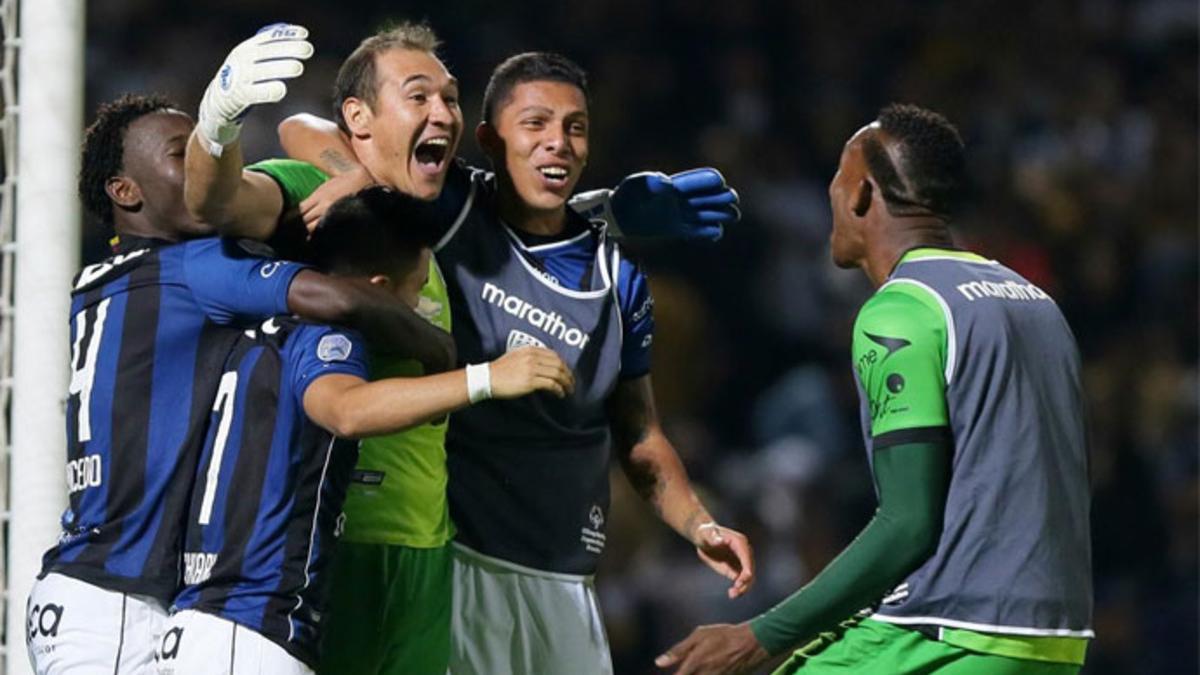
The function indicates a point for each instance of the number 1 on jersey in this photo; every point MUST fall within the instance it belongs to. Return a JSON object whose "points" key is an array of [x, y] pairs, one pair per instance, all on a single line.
{"points": [[223, 405]]}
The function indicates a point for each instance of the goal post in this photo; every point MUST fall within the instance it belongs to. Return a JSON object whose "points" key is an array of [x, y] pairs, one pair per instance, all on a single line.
{"points": [[43, 256]]}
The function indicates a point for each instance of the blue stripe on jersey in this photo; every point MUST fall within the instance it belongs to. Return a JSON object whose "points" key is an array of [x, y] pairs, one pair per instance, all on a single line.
{"points": [[257, 560], [93, 499], [151, 383]]}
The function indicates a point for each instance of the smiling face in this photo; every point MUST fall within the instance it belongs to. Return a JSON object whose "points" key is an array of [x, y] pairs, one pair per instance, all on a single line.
{"points": [[411, 130], [540, 142]]}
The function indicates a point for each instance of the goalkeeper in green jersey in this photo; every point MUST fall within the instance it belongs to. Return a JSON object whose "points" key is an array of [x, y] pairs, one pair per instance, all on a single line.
{"points": [[978, 559]]}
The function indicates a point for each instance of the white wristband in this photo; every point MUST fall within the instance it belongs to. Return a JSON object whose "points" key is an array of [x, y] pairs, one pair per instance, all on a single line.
{"points": [[479, 382]]}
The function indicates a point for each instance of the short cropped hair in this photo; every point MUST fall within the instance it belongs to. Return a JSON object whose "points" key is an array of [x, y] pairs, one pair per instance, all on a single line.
{"points": [[529, 67], [929, 175], [104, 148], [376, 231], [357, 79]]}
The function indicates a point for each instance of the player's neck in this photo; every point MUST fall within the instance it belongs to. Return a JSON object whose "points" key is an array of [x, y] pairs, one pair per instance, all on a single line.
{"points": [[130, 228], [894, 240], [518, 214]]}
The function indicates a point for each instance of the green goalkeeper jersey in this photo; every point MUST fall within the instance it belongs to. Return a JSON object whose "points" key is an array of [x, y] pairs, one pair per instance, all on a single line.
{"points": [[398, 492]]}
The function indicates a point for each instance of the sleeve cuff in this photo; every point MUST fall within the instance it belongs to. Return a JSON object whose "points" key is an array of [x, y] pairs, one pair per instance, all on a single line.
{"points": [[938, 434]]}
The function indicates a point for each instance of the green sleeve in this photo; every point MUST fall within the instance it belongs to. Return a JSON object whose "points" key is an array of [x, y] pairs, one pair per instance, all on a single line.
{"points": [[297, 180], [912, 480], [899, 348]]}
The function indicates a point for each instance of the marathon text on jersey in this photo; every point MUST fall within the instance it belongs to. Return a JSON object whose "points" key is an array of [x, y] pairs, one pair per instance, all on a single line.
{"points": [[549, 322], [1010, 290]]}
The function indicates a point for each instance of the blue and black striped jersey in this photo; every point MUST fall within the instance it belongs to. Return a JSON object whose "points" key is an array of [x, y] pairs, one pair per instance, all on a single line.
{"points": [[147, 337], [270, 486]]}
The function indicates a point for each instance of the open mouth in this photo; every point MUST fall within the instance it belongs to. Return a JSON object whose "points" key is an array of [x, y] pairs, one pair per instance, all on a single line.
{"points": [[431, 153], [555, 176]]}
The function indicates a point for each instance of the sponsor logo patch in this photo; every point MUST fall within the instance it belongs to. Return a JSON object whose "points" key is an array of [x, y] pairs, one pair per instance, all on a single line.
{"points": [[518, 339], [336, 347]]}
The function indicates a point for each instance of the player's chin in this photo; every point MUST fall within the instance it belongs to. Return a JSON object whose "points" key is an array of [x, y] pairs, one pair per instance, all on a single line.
{"points": [[428, 188]]}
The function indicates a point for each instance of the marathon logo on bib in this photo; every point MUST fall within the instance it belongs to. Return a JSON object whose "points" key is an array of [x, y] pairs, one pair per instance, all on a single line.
{"points": [[549, 322], [1009, 290]]}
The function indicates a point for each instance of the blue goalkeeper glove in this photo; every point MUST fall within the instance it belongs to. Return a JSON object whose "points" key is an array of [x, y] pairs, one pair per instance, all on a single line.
{"points": [[693, 204]]}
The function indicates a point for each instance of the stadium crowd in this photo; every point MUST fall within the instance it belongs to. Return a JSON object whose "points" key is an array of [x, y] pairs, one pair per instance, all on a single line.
{"points": [[1080, 118]]}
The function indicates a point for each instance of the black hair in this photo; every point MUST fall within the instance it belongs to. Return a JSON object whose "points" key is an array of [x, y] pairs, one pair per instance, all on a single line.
{"points": [[357, 78], [104, 148], [929, 172], [529, 67], [375, 231]]}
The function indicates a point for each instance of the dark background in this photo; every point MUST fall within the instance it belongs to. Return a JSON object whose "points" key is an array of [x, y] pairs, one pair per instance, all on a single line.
{"points": [[1080, 120]]}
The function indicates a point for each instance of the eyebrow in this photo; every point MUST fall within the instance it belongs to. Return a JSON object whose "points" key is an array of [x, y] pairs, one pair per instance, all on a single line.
{"points": [[421, 76], [546, 109]]}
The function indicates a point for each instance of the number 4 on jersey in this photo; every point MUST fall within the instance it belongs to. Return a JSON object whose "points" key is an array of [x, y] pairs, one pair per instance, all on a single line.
{"points": [[83, 362]]}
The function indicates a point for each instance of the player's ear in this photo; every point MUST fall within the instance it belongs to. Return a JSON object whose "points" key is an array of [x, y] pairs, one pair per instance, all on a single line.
{"points": [[358, 116], [124, 192], [489, 141], [864, 193], [381, 280]]}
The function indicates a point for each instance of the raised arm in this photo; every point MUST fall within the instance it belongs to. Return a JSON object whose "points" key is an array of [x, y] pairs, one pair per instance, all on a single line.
{"points": [[658, 476], [319, 142], [352, 408], [217, 189]]}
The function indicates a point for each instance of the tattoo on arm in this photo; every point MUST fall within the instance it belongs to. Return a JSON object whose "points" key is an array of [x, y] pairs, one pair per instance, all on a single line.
{"points": [[336, 160], [630, 414]]}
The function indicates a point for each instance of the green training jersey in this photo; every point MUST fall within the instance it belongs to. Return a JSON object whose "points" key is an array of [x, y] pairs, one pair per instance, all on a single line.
{"points": [[398, 492]]}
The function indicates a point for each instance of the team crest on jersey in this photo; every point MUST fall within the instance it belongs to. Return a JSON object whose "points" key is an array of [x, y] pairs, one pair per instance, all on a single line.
{"points": [[334, 347], [518, 339]]}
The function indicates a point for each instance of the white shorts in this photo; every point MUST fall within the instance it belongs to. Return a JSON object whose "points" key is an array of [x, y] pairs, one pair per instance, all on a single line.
{"points": [[77, 628], [195, 643], [513, 620]]}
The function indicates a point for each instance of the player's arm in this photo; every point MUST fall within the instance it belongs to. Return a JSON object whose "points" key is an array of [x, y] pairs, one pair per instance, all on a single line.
{"points": [[233, 286], [217, 189], [351, 407], [657, 474], [321, 143], [392, 327], [694, 204], [899, 350]]}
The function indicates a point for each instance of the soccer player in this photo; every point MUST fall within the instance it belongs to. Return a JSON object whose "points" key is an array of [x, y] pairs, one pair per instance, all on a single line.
{"points": [[266, 508], [398, 103], [145, 336], [529, 481], [978, 557]]}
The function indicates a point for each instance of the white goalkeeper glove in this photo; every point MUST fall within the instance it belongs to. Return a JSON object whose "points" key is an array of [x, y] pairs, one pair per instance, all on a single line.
{"points": [[253, 73]]}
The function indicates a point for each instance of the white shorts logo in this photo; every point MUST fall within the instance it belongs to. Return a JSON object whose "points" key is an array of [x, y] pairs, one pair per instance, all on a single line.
{"points": [[336, 347], [518, 339]]}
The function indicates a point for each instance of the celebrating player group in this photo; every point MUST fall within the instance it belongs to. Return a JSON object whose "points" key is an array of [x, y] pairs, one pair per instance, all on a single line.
{"points": [[353, 411]]}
